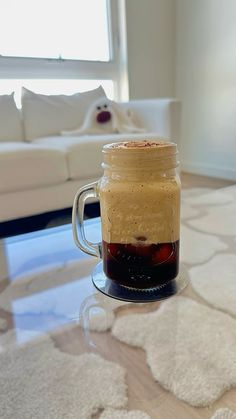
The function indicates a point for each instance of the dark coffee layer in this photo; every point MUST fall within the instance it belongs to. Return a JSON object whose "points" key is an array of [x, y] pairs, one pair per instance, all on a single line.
{"points": [[141, 266]]}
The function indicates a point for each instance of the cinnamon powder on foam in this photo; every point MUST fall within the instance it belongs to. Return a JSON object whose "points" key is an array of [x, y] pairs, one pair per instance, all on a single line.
{"points": [[139, 144]]}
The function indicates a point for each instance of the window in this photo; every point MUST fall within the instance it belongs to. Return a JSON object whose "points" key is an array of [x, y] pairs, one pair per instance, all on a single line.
{"points": [[65, 46], [71, 29]]}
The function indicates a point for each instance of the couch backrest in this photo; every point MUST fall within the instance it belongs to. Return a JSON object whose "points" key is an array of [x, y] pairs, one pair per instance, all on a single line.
{"points": [[45, 115], [161, 115]]}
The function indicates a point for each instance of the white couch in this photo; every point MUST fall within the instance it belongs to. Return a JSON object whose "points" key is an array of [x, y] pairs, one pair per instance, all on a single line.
{"points": [[43, 175]]}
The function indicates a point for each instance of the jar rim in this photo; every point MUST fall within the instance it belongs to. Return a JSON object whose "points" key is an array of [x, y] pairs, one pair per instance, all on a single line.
{"points": [[161, 146], [157, 155]]}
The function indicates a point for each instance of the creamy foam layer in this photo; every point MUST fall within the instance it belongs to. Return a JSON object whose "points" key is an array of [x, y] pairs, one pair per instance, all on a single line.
{"points": [[139, 193], [140, 155], [134, 209]]}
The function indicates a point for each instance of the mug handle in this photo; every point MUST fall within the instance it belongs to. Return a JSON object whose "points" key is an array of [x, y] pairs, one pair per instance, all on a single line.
{"points": [[88, 191]]}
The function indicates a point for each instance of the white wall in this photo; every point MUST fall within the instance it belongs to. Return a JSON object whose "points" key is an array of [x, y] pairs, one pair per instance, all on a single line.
{"points": [[150, 47], [206, 84]]}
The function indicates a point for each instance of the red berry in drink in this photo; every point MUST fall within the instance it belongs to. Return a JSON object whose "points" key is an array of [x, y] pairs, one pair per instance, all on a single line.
{"points": [[163, 253]]}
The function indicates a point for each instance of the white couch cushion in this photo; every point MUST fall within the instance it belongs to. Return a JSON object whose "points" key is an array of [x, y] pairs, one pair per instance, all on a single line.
{"points": [[11, 128], [84, 153], [49, 115], [27, 166]]}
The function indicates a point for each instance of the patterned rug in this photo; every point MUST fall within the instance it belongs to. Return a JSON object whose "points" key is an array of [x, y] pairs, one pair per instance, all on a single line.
{"points": [[201, 338]]}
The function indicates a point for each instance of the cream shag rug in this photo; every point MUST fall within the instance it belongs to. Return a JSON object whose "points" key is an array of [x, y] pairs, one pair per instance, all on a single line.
{"points": [[212, 197], [224, 414], [196, 247], [187, 211], [123, 414], [39, 381], [215, 281], [190, 348], [212, 221], [188, 193]]}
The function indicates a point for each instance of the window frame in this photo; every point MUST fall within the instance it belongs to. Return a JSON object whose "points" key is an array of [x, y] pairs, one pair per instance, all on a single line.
{"points": [[58, 68]]}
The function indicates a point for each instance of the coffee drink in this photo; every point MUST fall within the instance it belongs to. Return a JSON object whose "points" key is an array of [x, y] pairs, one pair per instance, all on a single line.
{"points": [[140, 212]]}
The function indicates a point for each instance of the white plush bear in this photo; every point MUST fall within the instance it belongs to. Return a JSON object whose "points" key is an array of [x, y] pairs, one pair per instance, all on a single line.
{"points": [[106, 117]]}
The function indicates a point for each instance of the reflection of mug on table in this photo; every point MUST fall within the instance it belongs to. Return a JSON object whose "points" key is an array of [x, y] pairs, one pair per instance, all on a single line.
{"points": [[140, 198]]}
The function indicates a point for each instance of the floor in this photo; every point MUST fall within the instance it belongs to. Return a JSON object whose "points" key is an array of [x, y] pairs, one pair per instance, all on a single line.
{"points": [[189, 180]]}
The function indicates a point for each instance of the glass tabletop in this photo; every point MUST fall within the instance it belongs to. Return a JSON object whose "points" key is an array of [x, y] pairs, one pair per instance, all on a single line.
{"points": [[46, 293]]}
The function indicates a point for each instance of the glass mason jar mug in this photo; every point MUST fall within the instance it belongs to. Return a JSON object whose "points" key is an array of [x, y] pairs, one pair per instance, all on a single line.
{"points": [[139, 197]]}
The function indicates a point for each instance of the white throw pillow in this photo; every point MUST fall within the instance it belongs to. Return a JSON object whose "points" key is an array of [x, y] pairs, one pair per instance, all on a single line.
{"points": [[49, 115], [11, 128]]}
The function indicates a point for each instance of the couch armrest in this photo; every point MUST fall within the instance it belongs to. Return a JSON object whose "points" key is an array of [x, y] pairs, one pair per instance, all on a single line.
{"points": [[158, 115]]}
